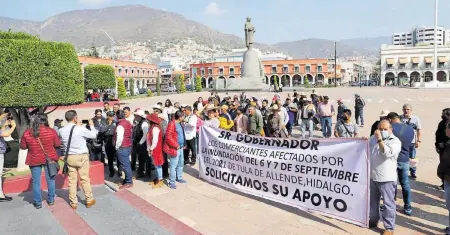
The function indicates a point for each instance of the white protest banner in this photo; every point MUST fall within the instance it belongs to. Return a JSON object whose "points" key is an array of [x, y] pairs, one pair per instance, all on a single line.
{"points": [[328, 176]]}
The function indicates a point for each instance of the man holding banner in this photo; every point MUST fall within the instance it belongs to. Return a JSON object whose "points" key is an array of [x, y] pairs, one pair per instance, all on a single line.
{"points": [[384, 151]]}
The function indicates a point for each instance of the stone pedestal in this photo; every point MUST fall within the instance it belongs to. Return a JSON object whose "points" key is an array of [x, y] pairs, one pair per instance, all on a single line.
{"points": [[252, 75]]}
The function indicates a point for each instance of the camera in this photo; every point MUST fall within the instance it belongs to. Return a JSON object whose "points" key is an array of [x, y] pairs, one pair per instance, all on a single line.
{"points": [[85, 121]]}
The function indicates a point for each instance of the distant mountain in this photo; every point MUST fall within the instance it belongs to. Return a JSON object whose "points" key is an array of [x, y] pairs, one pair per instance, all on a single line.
{"points": [[133, 23], [371, 44]]}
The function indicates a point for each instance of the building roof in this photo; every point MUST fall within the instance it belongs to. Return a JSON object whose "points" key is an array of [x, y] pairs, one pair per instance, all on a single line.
{"points": [[118, 63]]}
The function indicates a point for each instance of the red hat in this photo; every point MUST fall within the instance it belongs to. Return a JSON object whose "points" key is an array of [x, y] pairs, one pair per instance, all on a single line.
{"points": [[154, 118]]}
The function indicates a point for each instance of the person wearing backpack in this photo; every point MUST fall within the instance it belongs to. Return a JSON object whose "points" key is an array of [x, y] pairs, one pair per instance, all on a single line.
{"points": [[359, 109], [345, 127]]}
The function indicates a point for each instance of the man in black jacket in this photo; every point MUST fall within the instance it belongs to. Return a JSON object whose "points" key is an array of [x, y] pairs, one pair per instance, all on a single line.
{"points": [[441, 137], [107, 132], [140, 143]]}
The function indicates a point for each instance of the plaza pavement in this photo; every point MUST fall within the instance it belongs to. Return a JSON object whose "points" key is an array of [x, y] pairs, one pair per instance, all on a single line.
{"points": [[210, 209]]}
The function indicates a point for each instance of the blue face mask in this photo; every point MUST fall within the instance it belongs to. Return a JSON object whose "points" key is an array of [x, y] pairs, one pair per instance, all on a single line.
{"points": [[384, 135]]}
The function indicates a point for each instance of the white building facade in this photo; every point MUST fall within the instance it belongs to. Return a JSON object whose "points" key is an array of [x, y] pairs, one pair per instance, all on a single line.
{"points": [[422, 35], [405, 65]]}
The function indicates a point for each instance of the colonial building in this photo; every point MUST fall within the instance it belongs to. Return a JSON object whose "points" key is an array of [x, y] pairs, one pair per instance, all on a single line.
{"points": [[144, 75], [289, 73], [408, 64]]}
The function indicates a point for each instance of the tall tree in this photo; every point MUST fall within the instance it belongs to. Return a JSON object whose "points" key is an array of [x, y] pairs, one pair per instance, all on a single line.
{"points": [[132, 87], [36, 74], [121, 90], [182, 84], [198, 84], [158, 86], [94, 52], [99, 77]]}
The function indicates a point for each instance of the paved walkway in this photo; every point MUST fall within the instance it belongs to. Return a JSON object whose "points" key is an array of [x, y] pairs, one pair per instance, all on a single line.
{"points": [[115, 213], [214, 210]]}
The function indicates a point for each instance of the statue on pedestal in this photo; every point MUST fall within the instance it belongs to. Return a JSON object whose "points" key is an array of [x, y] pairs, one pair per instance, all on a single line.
{"points": [[249, 33]]}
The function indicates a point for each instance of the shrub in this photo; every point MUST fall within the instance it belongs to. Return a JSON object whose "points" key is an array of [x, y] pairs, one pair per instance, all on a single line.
{"points": [[306, 82], [198, 84], [17, 36], [275, 82], [121, 91], [177, 82], [182, 84], [99, 77], [149, 93]]}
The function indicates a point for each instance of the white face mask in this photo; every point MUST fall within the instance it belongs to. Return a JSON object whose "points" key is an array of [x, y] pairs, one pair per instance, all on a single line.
{"points": [[384, 134]]}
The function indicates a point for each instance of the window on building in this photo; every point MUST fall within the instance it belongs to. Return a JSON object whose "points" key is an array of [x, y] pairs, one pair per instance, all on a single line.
{"points": [[308, 69], [428, 65], [319, 68], [274, 69], [210, 71], [203, 72], [389, 66], [221, 71], [120, 71], [296, 69], [441, 65], [231, 70], [401, 66], [126, 72], [415, 65], [285, 70]]}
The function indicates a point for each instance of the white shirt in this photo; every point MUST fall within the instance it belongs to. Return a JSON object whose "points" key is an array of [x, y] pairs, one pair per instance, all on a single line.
{"points": [[119, 136], [212, 123], [384, 164], [130, 119], [144, 128], [284, 115], [155, 134], [79, 136], [190, 128]]}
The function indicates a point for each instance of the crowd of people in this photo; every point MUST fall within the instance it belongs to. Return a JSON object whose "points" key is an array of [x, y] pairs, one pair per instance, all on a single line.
{"points": [[161, 141]]}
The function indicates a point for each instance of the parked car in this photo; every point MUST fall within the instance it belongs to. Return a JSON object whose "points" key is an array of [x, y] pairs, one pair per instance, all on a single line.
{"points": [[188, 87]]}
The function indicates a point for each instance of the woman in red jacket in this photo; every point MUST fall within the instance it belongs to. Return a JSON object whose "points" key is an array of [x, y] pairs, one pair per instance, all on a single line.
{"points": [[36, 157], [154, 147]]}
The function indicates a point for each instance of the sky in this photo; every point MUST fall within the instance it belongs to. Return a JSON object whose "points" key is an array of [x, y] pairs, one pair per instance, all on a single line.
{"points": [[275, 20]]}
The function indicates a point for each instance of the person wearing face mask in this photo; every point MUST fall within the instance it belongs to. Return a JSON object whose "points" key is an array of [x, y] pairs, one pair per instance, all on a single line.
{"points": [[441, 137], [383, 116], [384, 149], [345, 127], [405, 134], [443, 170]]}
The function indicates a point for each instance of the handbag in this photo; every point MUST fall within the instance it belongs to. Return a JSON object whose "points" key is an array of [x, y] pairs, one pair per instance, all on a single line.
{"points": [[52, 166], [66, 166]]}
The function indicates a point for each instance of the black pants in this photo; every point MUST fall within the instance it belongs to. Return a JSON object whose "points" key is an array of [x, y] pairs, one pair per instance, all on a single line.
{"points": [[144, 160], [111, 155], [96, 154], [190, 147], [289, 128], [133, 158], [165, 167]]}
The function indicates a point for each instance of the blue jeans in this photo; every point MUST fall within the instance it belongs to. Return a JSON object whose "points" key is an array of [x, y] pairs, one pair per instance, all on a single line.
{"points": [[326, 124], [402, 172], [447, 195], [159, 172], [176, 164], [307, 125], [123, 155], [359, 114], [412, 155], [36, 181]]}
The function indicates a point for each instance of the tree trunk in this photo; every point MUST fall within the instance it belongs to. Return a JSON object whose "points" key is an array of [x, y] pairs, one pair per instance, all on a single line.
{"points": [[22, 118]]}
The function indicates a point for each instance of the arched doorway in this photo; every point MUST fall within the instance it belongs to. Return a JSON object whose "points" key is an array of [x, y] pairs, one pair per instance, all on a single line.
{"points": [[310, 78], [320, 79], [286, 80], [138, 83], [210, 82], [203, 82], [296, 80], [126, 85], [231, 77], [272, 79], [414, 77], [441, 76], [402, 78], [428, 76], [267, 79], [389, 78], [222, 78]]}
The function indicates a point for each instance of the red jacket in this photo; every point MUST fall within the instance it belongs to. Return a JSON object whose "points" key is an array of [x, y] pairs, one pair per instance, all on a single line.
{"points": [[49, 140], [157, 154], [171, 139]]}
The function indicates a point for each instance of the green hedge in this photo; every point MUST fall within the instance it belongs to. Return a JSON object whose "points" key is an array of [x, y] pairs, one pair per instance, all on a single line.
{"points": [[121, 90], [17, 35], [198, 84], [99, 77], [36, 73]]}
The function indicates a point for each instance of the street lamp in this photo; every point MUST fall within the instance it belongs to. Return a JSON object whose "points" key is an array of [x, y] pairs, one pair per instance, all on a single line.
{"points": [[114, 61], [435, 40]]}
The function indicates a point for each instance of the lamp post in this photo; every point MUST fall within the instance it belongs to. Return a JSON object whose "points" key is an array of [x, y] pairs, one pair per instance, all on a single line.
{"points": [[435, 40], [113, 60], [335, 65]]}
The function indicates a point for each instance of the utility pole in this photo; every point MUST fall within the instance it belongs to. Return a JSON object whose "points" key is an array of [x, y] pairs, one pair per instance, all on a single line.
{"points": [[435, 41], [335, 65], [116, 95]]}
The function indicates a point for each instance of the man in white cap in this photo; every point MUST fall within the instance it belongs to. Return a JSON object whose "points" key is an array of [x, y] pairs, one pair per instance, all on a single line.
{"points": [[383, 116], [140, 142], [157, 108]]}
